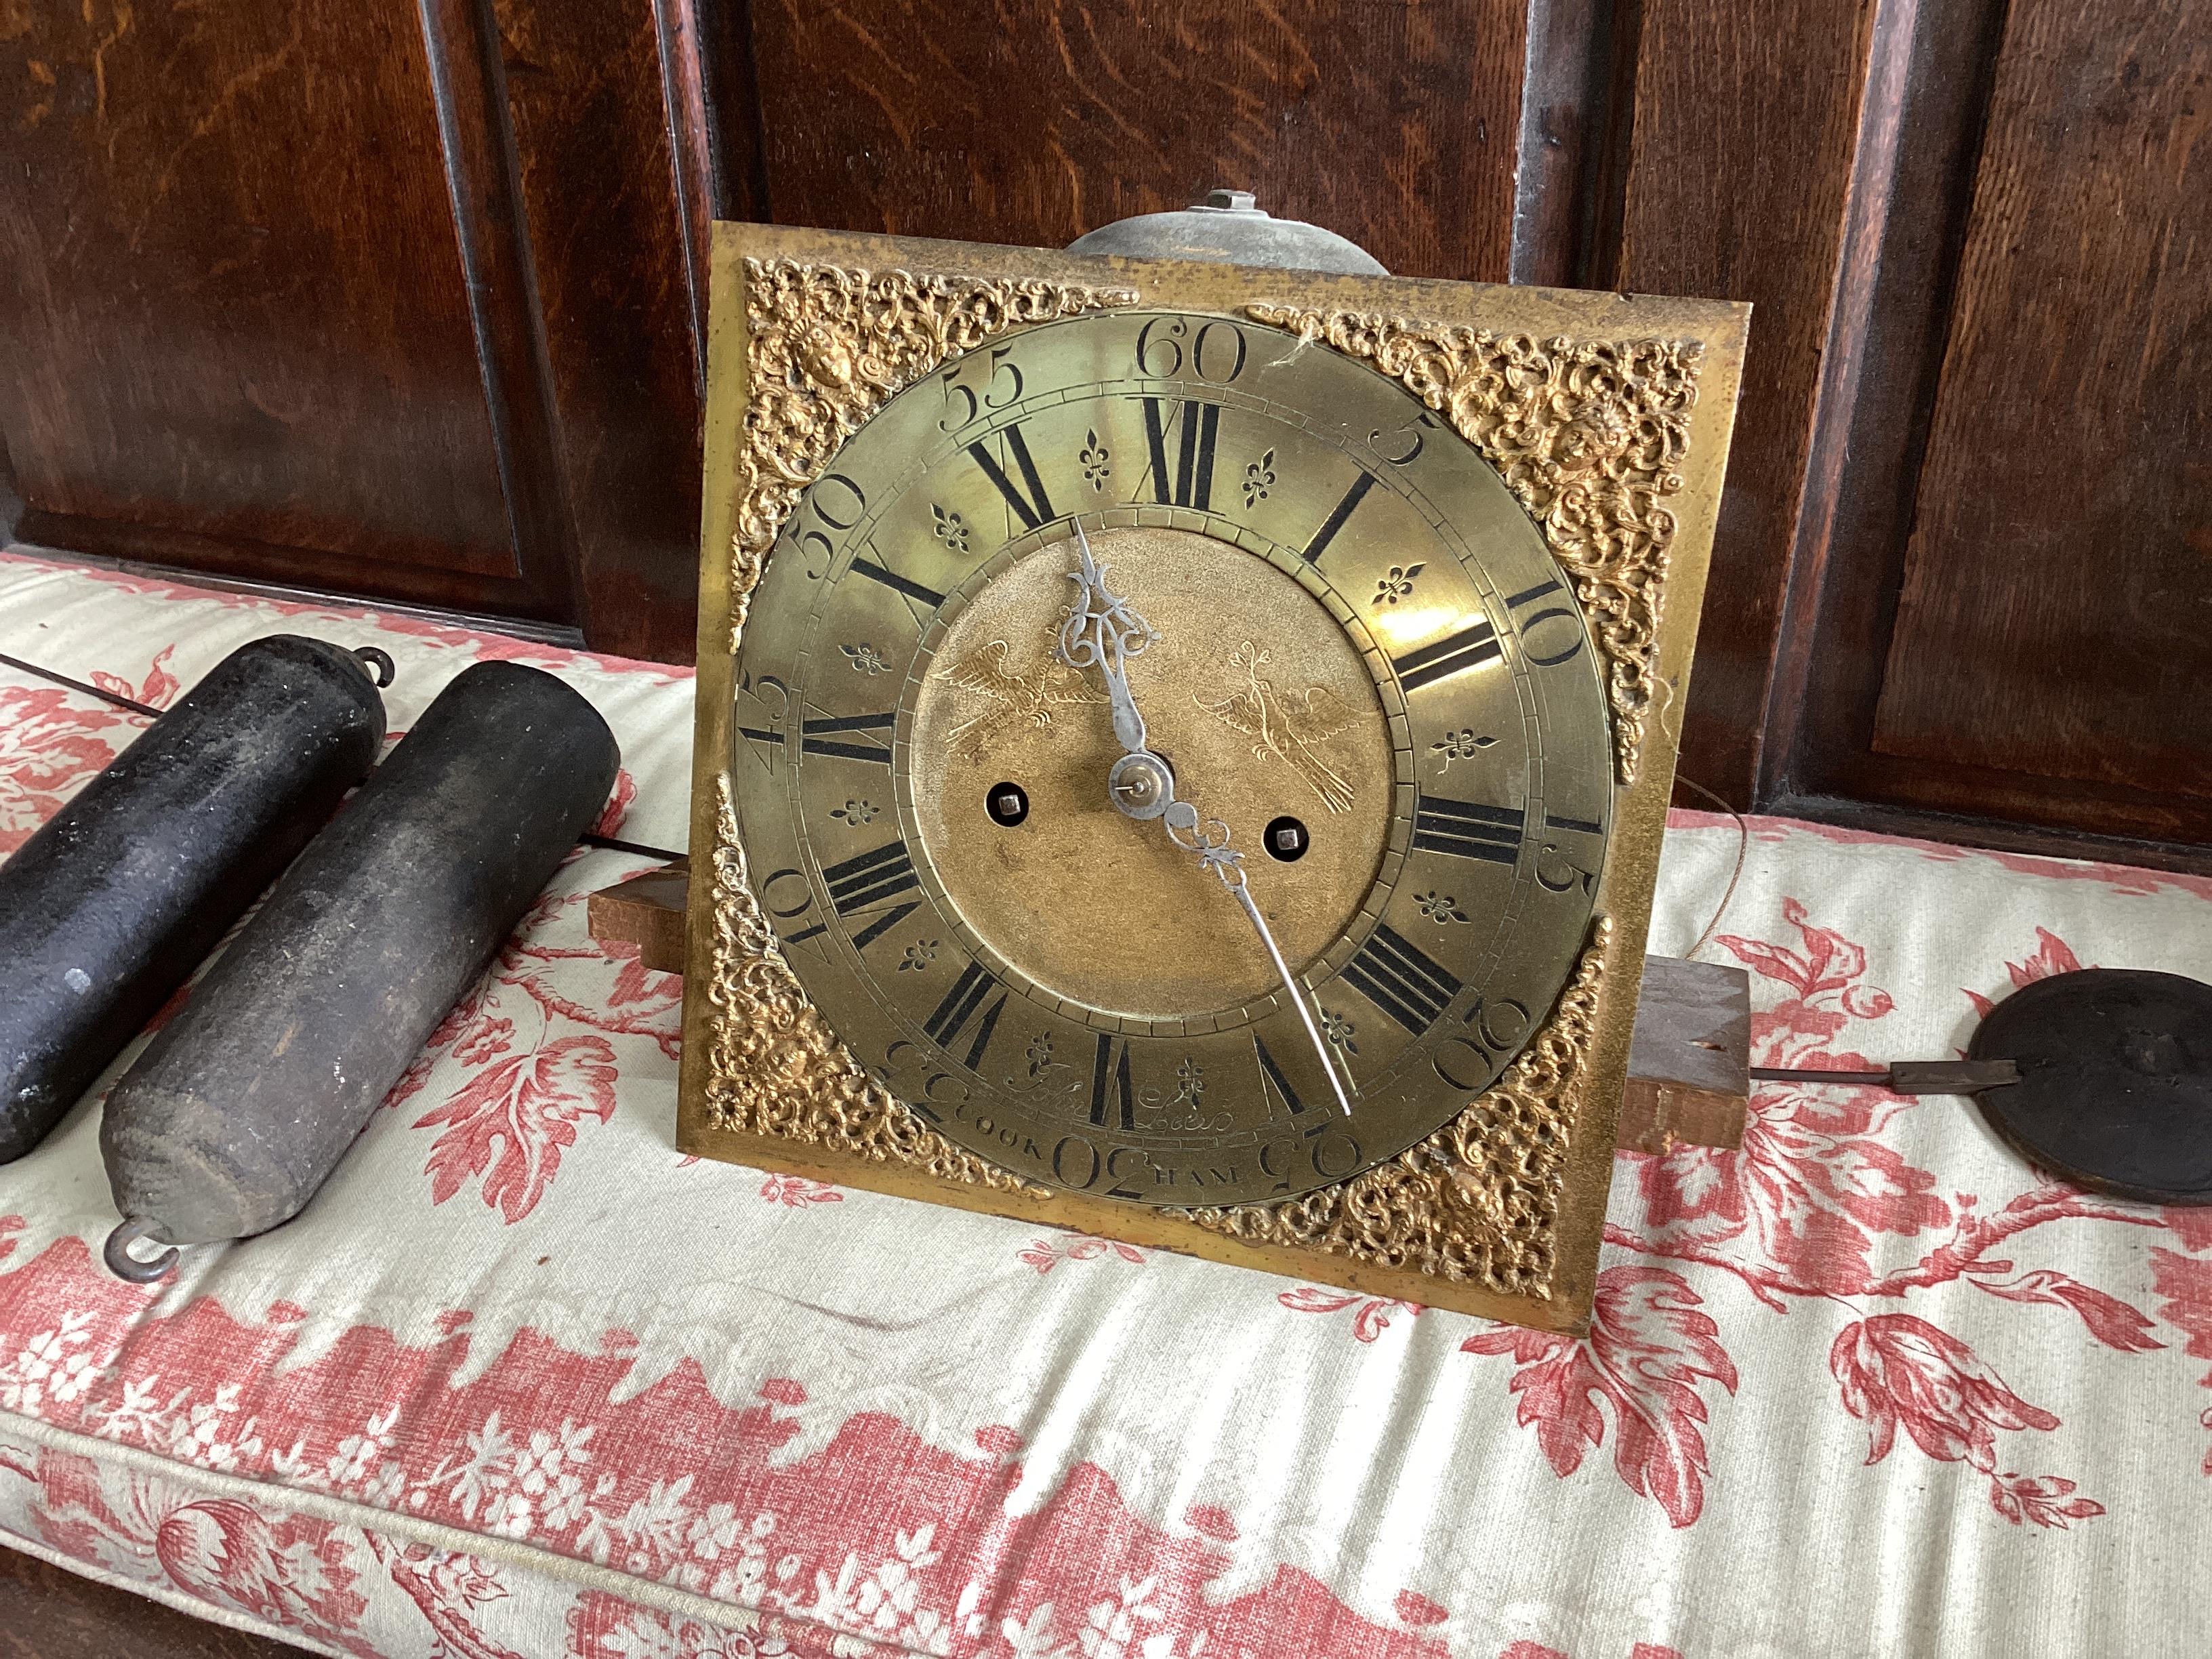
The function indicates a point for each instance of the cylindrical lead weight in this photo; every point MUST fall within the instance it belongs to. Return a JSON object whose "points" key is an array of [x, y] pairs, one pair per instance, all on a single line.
{"points": [[244, 1102], [110, 906]]}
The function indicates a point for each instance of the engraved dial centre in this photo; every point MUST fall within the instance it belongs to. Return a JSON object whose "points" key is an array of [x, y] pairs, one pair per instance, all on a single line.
{"points": [[1254, 693]]}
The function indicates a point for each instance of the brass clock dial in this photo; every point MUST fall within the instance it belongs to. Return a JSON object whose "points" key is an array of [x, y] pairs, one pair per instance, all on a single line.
{"points": [[1361, 651]]}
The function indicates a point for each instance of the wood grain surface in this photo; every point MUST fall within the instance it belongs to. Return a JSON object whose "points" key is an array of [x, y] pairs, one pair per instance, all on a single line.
{"points": [[1745, 123], [1033, 121], [2056, 607], [613, 258], [1994, 419], [238, 318], [47, 1613]]}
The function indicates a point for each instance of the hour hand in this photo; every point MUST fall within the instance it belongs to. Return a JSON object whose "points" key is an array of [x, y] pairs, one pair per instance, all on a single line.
{"points": [[1101, 632]]}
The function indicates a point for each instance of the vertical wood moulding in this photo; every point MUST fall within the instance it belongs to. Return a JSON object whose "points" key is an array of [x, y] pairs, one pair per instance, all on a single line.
{"points": [[476, 136], [1745, 121], [1859, 264], [683, 98]]}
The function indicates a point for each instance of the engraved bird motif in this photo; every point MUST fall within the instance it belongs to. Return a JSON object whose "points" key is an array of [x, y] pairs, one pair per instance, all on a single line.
{"points": [[1015, 700], [1286, 727]]}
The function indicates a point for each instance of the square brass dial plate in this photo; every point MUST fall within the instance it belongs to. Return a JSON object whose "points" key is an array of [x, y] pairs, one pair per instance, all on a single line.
{"points": [[1154, 393]]}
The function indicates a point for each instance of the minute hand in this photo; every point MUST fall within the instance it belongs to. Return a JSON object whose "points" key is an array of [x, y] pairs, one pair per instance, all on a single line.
{"points": [[1103, 631]]}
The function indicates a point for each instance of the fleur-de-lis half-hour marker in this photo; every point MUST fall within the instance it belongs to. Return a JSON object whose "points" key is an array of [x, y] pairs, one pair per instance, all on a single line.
{"points": [[1440, 907], [1259, 479], [1094, 458], [1399, 584], [865, 658], [1462, 744], [949, 527]]}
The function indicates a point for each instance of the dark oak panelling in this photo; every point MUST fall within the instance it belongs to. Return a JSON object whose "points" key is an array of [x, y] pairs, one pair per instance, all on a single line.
{"points": [[614, 265], [1577, 106], [2056, 606], [237, 323], [1746, 123], [1999, 232], [391, 300], [1396, 125]]}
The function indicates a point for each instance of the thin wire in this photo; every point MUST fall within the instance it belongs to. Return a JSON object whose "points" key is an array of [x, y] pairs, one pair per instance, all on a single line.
{"points": [[102, 692], [1742, 847], [589, 838]]}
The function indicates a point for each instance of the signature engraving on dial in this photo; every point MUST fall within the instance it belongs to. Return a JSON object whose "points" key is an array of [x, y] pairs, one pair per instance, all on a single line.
{"points": [[1288, 726], [1012, 699]]}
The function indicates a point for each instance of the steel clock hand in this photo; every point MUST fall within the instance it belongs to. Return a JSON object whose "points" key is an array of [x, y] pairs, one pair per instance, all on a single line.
{"points": [[1103, 631]]}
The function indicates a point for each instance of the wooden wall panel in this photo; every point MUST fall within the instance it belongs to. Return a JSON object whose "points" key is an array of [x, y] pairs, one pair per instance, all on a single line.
{"points": [[2056, 608], [1395, 124], [2029, 206], [239, 332], [1745, 126], [611, 216]]}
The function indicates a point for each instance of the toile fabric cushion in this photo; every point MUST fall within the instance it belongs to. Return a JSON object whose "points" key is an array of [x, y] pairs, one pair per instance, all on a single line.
{"points": [[522, 1380]]}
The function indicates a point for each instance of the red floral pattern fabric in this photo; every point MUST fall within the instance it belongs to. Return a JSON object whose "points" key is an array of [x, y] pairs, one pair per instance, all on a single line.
{"points": [[523, 1380]]}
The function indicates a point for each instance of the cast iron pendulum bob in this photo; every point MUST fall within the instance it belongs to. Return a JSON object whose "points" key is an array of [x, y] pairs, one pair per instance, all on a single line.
{"points": [[241, 1106], [108, 908], [2115, 1090]]}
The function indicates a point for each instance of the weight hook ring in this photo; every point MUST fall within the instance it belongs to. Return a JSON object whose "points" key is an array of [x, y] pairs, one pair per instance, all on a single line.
{"points": [[124, 1264], [379, 661]]}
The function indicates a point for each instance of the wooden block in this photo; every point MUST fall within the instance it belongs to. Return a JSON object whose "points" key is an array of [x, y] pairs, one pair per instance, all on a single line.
{"points": [[1688, 1078], [646, 911], [1689, 1062]]}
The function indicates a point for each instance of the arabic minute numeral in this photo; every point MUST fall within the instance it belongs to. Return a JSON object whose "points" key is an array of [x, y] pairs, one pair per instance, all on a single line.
{"points": [[1564, 642], [833, 502], [1489, 1030], [1556, 871]]}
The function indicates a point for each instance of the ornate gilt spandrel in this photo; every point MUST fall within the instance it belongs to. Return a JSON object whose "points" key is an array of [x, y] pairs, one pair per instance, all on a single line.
{"points": [[1477, 1201], [828, 346], [1590, 435], [775, 1070]]}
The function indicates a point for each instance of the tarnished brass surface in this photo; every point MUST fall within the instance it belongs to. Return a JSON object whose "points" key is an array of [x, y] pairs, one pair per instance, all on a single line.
{"points": [[1494, 1206], [1254, 693], [828, 346], [1589, 435]]}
